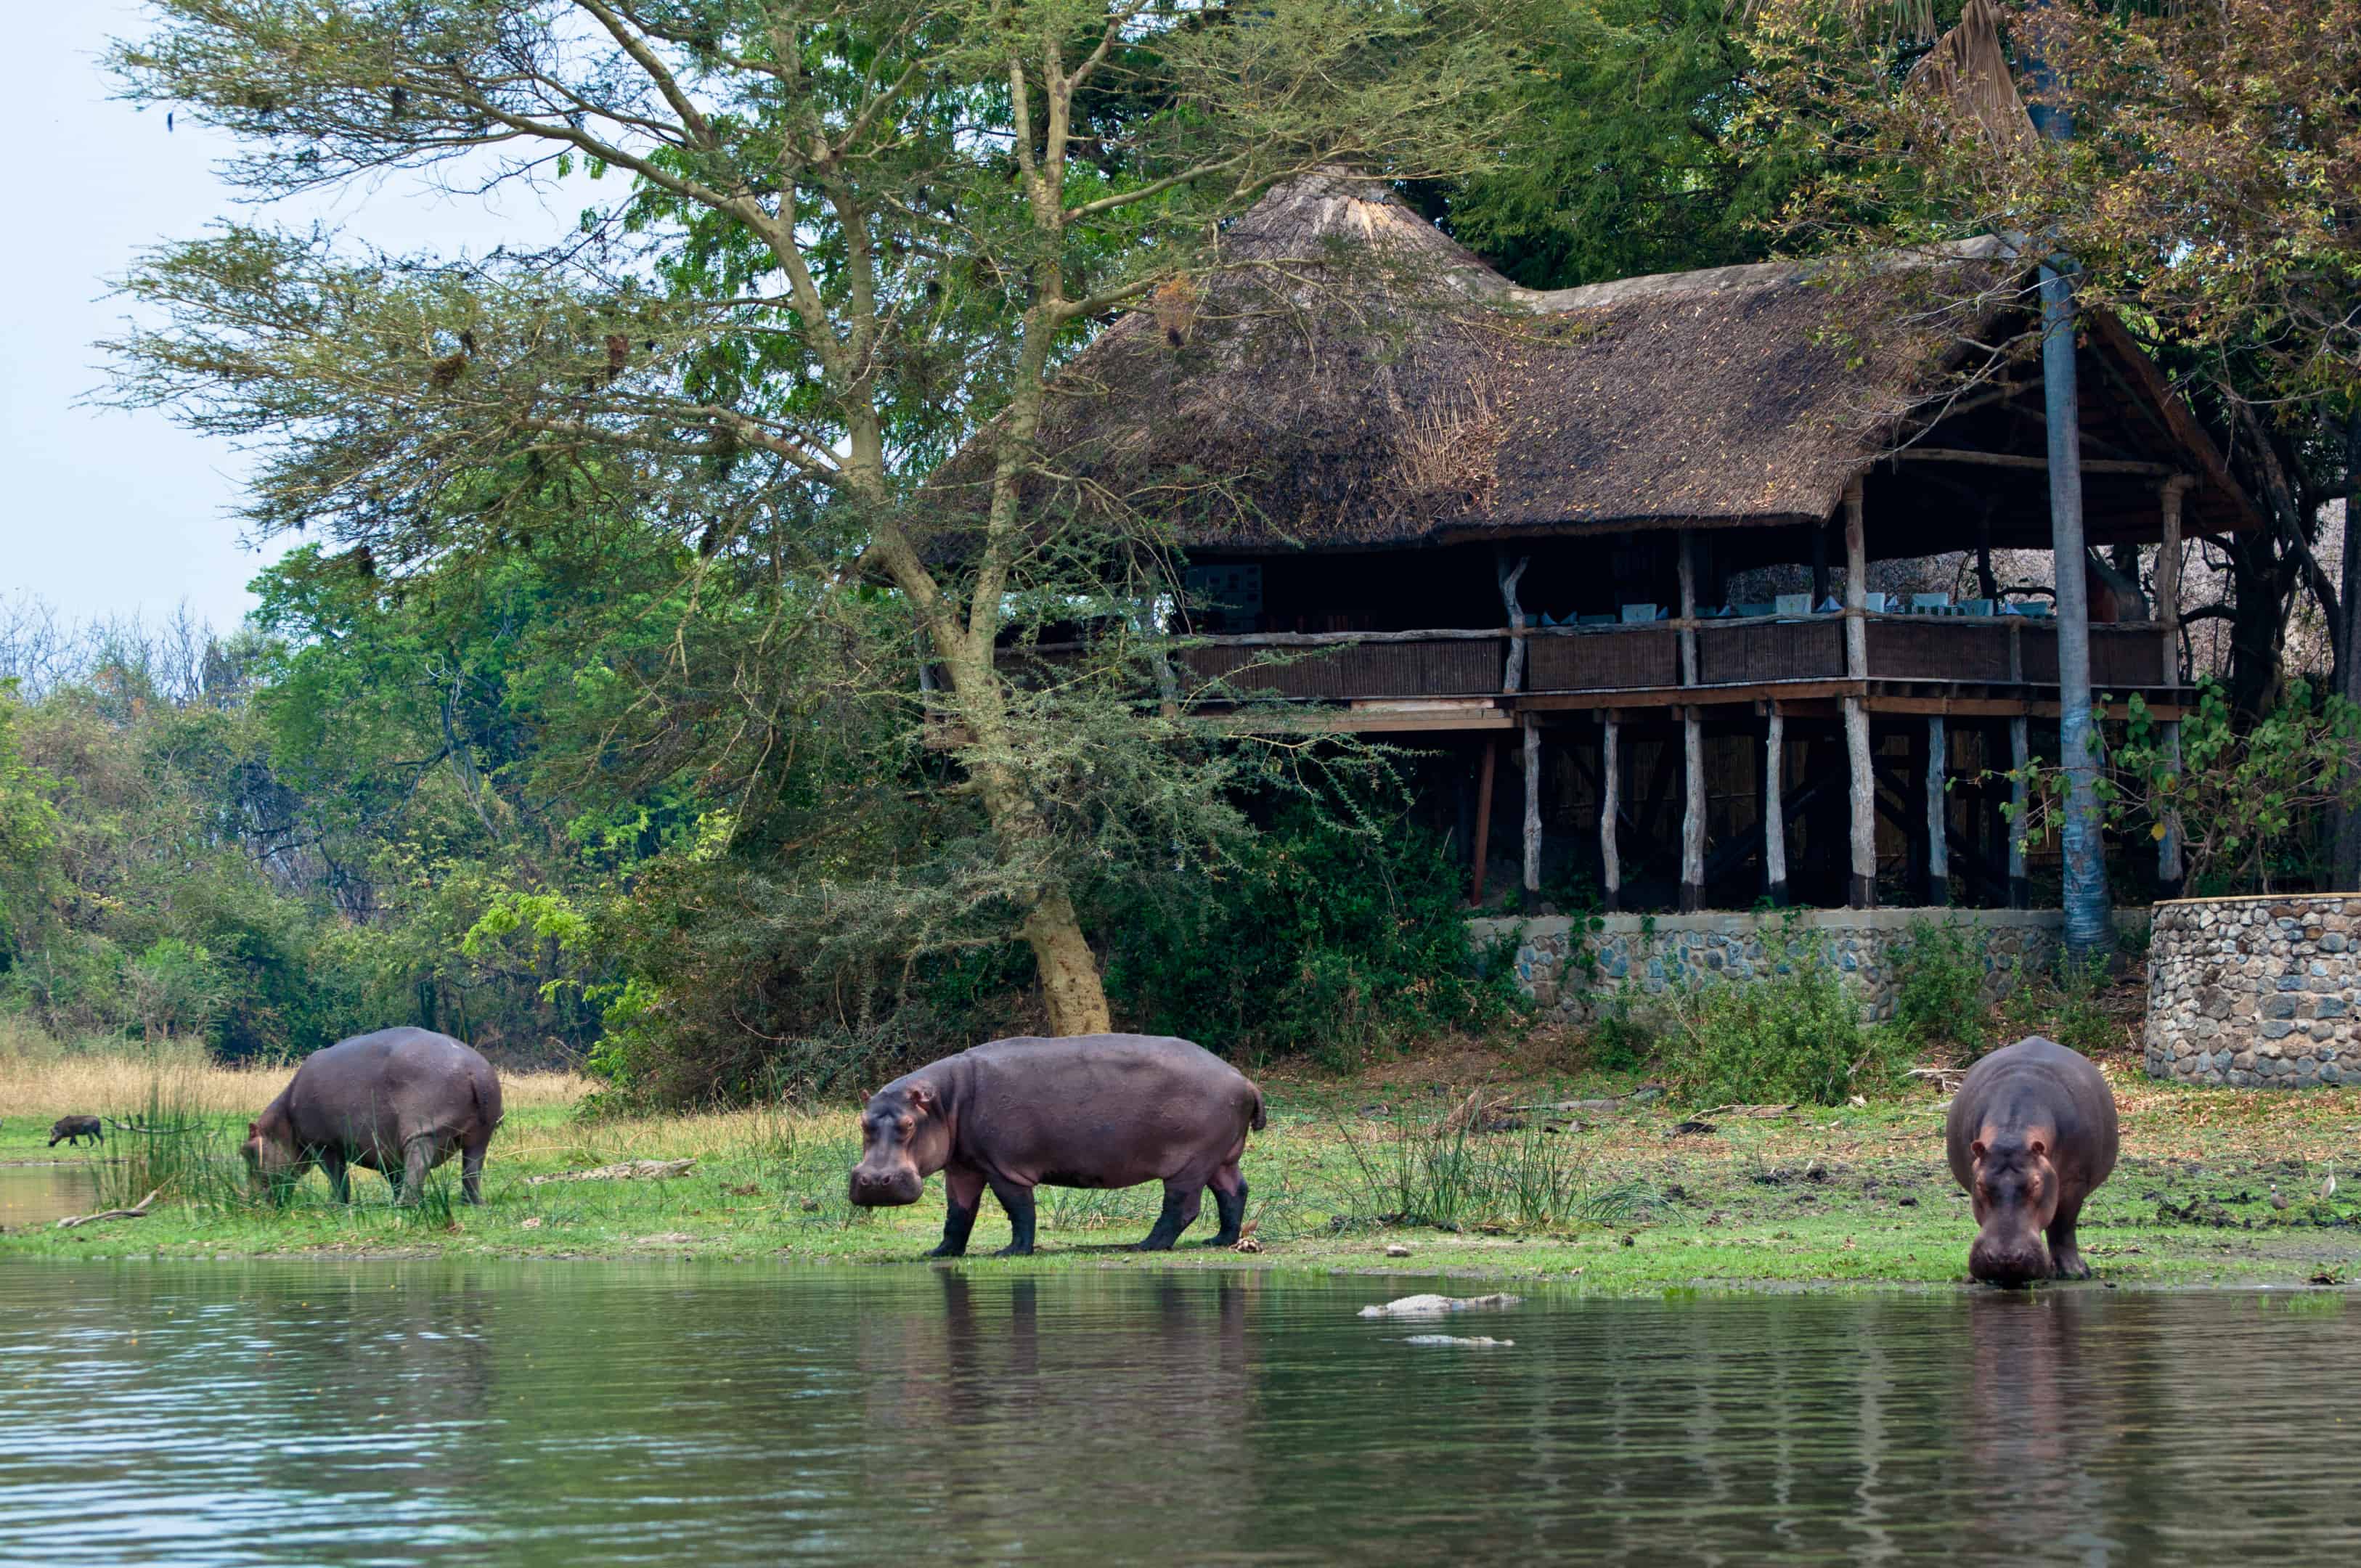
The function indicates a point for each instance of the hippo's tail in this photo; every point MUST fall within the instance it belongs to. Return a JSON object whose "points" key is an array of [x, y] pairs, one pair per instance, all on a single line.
{"points": [[1256, 1120]]}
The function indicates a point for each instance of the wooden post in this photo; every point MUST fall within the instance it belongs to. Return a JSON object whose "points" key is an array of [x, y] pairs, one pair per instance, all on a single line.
{"points": [[2170, 872], [1775, 810], [1483, 846], [1938, 848], [1693, 812], [1688, 609], [1861, 890], [1856, 600], [1512, 677], [2020, 749], [1533, 810], [1610, 805]]}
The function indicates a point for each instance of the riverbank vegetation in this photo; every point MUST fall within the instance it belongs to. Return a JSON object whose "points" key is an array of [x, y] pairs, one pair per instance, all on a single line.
{"points": [[1477, 1164]]}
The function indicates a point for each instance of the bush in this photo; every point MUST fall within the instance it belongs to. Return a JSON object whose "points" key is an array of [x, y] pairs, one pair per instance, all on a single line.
{"points": [[1938, 972], [1320, 939], [1794, 1035], [1624, 1034], [2082, 1021]]}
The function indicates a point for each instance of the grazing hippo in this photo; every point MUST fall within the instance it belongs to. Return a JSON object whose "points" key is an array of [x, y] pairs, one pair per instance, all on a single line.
{"points": [[72, 1130], [2030, 1136], [398, 1101], [1090, 1110]]}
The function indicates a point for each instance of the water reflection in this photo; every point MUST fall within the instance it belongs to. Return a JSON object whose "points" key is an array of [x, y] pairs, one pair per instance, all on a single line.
{"points": [[287, 1413]]}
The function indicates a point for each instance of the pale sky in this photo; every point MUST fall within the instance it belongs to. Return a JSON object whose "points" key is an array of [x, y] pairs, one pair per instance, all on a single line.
{"points": [[102, 511]]}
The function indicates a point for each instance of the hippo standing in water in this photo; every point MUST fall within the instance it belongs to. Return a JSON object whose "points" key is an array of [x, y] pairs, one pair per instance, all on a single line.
{"points": [[2030, 1136], [1089, 1111], [398, 1101]]}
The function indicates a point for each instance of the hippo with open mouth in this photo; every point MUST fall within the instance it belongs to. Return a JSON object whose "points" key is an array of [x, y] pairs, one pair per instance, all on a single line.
{"points": [[1090, 1110], [399, 1101], [2030, 1135]]}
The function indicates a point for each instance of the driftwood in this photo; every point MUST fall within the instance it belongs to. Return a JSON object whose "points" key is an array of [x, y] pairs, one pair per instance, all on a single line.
{"points": [[1946, 1079], [1613, 1102], [136, 1211], [626, 1170]]}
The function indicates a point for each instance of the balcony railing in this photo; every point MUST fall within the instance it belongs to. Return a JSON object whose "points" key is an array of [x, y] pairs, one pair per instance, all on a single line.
{"points": [[1362, 666]]}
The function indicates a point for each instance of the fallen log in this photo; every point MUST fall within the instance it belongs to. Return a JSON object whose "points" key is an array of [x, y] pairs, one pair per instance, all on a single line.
{"points": [[136, 1211], [624, 1170]]}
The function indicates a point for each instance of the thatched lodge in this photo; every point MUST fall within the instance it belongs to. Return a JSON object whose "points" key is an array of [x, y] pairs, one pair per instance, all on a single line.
{"points": [[1631, 532]]}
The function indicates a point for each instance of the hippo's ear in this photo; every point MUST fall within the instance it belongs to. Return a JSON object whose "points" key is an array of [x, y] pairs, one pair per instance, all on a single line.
{"points": [[923, 1098], [254, 1129], [1976, 1150], [2038, 1148]]}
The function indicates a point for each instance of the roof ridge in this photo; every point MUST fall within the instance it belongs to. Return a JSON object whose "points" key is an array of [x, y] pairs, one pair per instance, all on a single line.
{"points": [[1749, 275]]}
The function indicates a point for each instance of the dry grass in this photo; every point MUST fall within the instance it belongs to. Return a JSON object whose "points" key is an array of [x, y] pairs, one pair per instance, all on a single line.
{"points": [[42, 1076]]}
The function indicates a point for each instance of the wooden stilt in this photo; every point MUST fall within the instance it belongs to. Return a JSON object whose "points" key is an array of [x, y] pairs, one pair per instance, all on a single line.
{"points": [[1512, 677], [1610, 805], [1774, 811], [1938, 847], [1688, 608], [2169, 872], [1533, 811], [1483, 846], [1693, 812], [2020, 751], [1861, 890]]}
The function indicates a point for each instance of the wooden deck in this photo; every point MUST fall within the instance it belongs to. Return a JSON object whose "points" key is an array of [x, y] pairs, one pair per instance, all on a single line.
{"points": [[1460, 679]]}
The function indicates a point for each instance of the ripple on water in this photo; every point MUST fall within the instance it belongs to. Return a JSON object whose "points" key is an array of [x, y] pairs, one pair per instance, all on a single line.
{"points": [[311, 1413]]}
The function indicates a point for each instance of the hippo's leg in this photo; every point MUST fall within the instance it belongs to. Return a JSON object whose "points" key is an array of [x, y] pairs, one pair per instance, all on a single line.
{"points": [[1181, 1202], [1230, 1203], [1018, 1201], [417, 1159], [471, 1171], [2065, 1258], [962, 1195], [340, 1187]]}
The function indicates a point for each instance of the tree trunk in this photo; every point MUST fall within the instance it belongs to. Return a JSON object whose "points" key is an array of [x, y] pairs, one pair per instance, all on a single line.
{"points": [[2089, 919], [1069, 971], [2345, 871]]}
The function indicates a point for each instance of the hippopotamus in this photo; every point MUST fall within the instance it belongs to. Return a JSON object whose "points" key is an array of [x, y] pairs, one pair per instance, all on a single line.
{"points": [[1084, 1111], [73, 1129], [2030, 1136], [398, 1101]]}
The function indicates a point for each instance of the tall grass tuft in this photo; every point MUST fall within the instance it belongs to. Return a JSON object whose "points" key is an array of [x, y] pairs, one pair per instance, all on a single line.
{"points": [[1444, 1173]]}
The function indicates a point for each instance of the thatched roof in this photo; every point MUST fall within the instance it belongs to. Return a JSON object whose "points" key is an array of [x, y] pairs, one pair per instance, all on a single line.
{"points": [[1351, 377]]}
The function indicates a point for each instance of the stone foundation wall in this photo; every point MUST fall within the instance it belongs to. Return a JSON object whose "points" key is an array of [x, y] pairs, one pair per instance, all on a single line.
{"points": [[1656, 953], [2256, 993]]}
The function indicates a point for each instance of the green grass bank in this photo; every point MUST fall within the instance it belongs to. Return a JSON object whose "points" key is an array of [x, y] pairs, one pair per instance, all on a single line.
{"points": [[1441, 1166]]}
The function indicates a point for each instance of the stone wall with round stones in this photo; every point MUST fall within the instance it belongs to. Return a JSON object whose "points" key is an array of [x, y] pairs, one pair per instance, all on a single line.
{"points": [[2256, 992], [1571, 967]]}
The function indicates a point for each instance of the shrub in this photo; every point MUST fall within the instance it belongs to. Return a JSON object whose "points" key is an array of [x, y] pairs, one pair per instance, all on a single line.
{"points": [[1938, 972], [1320, 938], [1793, 1034], [1624, 1034], [2082, 1021]]}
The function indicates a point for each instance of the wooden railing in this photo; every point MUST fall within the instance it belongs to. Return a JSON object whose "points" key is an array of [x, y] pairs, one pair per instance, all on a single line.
{"points": [[1762, 649]]}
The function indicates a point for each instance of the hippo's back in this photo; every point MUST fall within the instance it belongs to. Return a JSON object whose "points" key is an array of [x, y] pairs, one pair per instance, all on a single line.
{"points": [[1101, 1102], [393, 1085], [2033, 1074]]}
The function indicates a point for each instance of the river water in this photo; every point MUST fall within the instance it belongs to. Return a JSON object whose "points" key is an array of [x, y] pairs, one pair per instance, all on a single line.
{"points": [[574, 1412]]}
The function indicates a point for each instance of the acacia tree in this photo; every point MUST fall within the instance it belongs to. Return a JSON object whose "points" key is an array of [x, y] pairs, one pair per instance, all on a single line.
{"points": [[849, 235]]}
